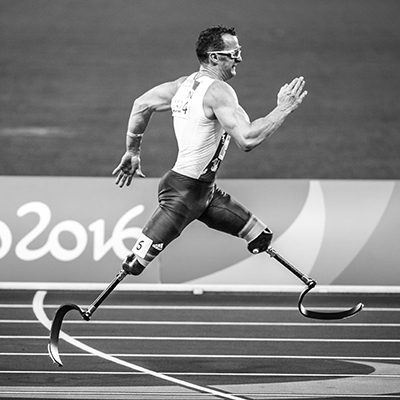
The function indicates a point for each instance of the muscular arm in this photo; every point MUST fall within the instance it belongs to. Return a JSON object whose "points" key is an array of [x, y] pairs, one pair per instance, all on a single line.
{"points": [[157, 99], [223, 101]]}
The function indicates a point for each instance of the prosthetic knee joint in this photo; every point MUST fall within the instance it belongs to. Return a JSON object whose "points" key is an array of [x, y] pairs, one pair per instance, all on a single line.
{"points": [[261, 242], [132, 266]]}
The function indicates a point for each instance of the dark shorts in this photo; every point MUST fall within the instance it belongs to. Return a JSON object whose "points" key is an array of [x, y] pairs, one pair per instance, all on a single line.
{"points": [[183, 200]]}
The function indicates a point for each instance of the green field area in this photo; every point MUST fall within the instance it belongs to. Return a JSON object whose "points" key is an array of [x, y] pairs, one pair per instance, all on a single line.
{"points": [[70, 70]]}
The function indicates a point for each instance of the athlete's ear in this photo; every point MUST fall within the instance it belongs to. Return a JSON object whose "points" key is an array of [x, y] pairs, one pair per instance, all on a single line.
{"points": [[214, 57]]}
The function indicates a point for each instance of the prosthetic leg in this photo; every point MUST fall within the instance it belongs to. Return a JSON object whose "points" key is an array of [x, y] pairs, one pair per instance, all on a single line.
{"points": [[262, 243], [132, 266], [86, 314]]}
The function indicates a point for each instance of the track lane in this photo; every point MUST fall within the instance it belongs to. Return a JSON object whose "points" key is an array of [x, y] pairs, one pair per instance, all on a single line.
{"points": [[42, 317], [219, 370]]}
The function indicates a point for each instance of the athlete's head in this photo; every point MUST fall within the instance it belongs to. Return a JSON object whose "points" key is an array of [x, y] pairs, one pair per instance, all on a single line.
{"points": [[212, 39], [219, 48]]}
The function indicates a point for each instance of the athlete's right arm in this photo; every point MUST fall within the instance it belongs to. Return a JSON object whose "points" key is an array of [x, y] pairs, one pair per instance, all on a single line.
{"points": [[157, 99]]}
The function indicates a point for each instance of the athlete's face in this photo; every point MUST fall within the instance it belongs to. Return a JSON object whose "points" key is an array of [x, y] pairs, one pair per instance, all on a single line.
{"points": [[230, 58]]}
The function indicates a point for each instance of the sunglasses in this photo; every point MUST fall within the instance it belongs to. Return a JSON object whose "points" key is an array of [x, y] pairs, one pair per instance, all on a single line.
{"points": [[233, 54]]}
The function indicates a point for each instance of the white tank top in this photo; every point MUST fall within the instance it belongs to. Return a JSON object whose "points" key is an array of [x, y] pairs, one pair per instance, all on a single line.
{"points": [[202, 142]]}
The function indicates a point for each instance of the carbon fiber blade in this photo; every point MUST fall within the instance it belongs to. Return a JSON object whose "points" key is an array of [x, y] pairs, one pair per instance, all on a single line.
{"points": [[55, 331], [326, 315]]}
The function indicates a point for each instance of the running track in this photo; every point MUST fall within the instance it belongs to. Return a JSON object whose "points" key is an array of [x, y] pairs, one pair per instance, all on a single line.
{"points": [[178, 345]]}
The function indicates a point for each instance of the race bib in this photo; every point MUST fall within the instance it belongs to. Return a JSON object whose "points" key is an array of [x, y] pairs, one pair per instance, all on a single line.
{"points": [[142, 246], [180, 108], [181, 102]]}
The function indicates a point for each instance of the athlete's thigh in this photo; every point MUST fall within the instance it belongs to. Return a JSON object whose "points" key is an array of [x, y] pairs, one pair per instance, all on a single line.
{"points": [[225, 214], [161, 228], [181, 201]]}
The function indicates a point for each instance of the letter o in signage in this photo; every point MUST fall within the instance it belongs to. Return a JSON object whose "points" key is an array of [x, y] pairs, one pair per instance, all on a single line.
{"points": [[5, 239], [59, 252]]}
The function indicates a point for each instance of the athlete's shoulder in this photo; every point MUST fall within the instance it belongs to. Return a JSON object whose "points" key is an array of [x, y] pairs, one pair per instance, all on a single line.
{"points": [[159, 97], [172, 87], [177, 83], [220, 91], [221, 87], [180, 80]]}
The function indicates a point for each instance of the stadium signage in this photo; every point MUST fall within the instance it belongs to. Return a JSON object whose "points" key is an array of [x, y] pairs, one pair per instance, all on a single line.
{"points": [[53, 244], [79, 229]]}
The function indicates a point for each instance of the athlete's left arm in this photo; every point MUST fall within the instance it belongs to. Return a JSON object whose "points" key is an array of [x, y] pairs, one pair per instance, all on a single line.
{"points": [[222, 99], [157, 99]]}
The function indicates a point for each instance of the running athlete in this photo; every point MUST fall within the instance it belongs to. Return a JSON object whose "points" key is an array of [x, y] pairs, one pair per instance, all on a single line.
{"points": [[206, 114]]}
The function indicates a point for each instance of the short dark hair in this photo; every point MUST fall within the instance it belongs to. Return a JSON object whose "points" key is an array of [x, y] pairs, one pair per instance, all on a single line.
{"points": [[210, 39]]}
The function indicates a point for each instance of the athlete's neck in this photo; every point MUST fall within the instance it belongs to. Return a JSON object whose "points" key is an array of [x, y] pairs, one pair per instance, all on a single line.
{"points": [[205, 70]]}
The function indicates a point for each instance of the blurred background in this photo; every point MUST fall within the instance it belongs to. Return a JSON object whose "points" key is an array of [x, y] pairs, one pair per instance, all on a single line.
{"points": [[70, 70]]}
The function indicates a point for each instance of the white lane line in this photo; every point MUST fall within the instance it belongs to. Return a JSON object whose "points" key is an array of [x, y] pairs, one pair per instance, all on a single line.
{"points": [[215, 356], [222, 374], [42, 317], [209, 339], [207, 308], [212, 323]]}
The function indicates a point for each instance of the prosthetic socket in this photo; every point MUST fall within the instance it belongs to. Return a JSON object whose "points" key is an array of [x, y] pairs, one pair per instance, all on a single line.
{"points": [[132, 266], [261, 242]]}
